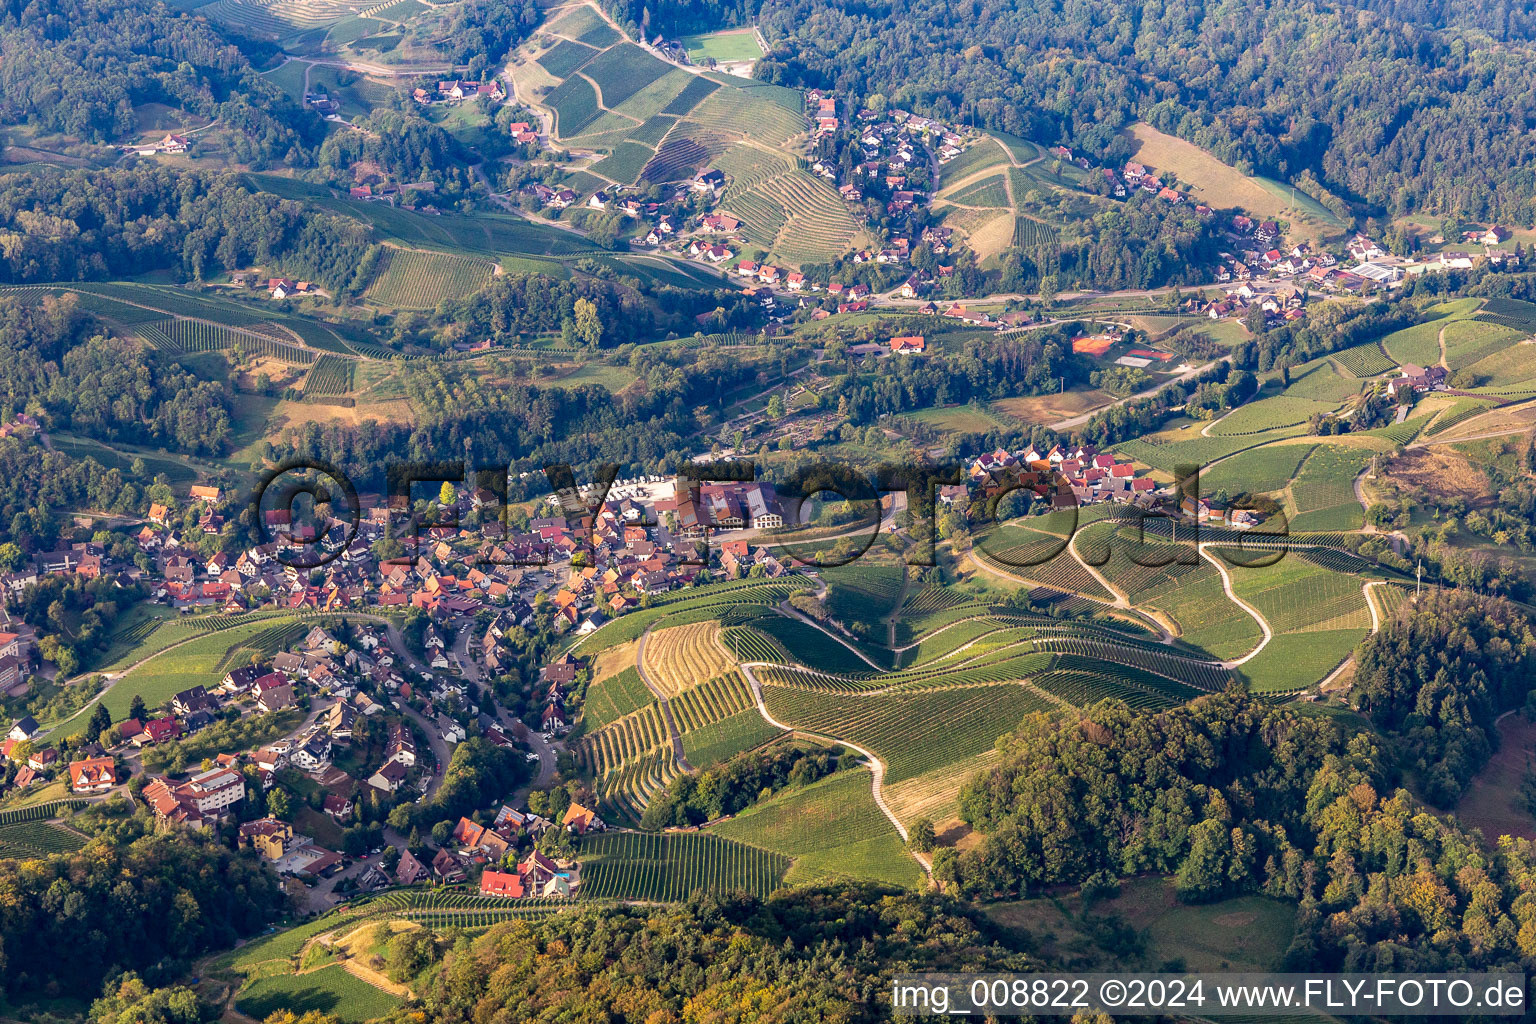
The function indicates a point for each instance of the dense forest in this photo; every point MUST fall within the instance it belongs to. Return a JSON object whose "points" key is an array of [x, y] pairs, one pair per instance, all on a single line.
{"points": [[103, 387], [483, 32], [79, 67], [529, 425], [1365, 97], [150, 905], [733, 786], [408, 148], [1438, 674], [808, 954], [84, 225]]}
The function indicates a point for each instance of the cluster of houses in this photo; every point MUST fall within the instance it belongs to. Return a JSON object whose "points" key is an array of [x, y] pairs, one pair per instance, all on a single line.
{"points": [[1073, 476], [1417, 380], [458, 90], [282, 287], [172, 143], [472, 846], [891, 145], [1139, 176], [1067, 477]]}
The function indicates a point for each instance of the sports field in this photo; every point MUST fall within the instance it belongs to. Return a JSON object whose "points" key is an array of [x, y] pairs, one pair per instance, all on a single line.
{"points": [[739, 44]]}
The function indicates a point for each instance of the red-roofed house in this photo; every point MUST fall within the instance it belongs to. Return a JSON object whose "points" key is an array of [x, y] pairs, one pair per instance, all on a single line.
{"points": [[501, 883]]}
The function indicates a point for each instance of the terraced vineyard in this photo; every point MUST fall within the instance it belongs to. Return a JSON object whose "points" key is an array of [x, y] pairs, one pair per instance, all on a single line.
{"points": [[678, 657], [990, 191], [805, 643], [1417, 344], [832, 829], [622, 71], [274, 19], [1364, 360], [1323, 493], [710, 702], [611, 747], [611, 699], [625, 164], [202, 336], [1513, 313], [37, 812], [37, 839], [416, 279], [331, 375], [575, 106], [911, 732], [685, 152], [729, 109], [1298, 598], [566, 57], [1258, 471], [1032, 555], [1162, 453], [749, 644], [1468, 341], [692, 95], [1270, 414], [1190, 595], [819, 227], [669, 866], [1032, 234], [729, 736]]}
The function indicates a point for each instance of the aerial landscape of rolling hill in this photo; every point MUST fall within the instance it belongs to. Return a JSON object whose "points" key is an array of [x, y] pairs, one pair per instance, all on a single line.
{"points": [[546, 510]]}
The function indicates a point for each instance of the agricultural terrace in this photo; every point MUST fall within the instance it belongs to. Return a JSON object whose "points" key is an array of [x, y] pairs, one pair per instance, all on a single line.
{"points": [[1270, 414], [679, 657], [330, 375], [1322, 496], [415, 279], [831, 830], [795, 215], [670, 866], [911, 732], [277, 20]]}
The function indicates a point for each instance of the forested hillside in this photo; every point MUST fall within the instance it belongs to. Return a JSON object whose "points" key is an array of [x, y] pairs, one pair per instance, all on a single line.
{"points": [[810, 955], [80, 67], [83, 225]]}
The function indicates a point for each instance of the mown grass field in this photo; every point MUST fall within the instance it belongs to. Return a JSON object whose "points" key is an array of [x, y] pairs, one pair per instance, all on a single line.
{"points": [[731, 45], [1223, 186]]}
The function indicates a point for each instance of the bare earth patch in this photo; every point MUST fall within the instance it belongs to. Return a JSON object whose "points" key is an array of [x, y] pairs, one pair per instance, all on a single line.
{"points": [[291, 414], [1050, 408], [1442, 473], [1493, 803], [613, 661]]}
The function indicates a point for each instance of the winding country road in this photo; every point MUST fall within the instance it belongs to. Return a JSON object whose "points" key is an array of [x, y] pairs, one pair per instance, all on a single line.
{"points": [[1226, 585], [1081, 418], [876, 766]]}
